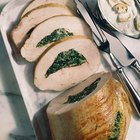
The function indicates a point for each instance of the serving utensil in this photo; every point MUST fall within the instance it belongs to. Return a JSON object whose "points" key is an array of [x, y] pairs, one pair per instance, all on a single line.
{"points": [[128, 58], [131, 60], [104, 45]]}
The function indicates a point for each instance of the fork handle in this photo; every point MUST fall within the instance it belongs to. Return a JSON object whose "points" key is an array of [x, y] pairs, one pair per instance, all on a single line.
{"points": [[136, 66], [134, 96]]}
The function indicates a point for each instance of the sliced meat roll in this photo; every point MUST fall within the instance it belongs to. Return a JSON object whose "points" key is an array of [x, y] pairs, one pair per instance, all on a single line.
{"points": [[66, 63], [50, 31], [36, 3], [96, 109], [36, 16]]}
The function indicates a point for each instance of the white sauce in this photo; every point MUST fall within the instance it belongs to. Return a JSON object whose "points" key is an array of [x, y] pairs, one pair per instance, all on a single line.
{"points": [[111, 16]]}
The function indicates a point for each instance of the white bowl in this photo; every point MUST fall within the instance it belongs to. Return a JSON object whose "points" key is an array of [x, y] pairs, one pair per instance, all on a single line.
{"points": [[110, 16]]}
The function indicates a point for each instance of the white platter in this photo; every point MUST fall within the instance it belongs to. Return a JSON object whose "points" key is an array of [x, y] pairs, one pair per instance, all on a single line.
{"points": [[35, 100]]}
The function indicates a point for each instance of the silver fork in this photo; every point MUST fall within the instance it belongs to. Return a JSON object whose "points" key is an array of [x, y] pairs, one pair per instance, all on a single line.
{"points": [[135, 64], [104, 45]]}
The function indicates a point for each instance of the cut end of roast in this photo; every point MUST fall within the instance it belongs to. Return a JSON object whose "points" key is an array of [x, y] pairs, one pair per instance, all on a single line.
{"points": [[96, 116], [60, 104], [69, 76]]}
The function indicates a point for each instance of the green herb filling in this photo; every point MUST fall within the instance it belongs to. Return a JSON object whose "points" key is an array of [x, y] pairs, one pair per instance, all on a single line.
{"points": [[55, 36], [70, 58], [116, 129], [84, 93]]}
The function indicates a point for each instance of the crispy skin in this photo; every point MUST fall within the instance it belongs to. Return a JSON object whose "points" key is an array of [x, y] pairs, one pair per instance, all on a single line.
{"points": [[93, 117]]}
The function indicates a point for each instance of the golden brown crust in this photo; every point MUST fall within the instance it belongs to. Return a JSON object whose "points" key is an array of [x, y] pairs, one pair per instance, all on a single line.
{"points": [[94, 117], [124, 107]]}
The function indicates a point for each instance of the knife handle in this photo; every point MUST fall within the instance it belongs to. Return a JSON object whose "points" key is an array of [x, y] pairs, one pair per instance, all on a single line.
{"points": [[134, 96], [136, 66]]}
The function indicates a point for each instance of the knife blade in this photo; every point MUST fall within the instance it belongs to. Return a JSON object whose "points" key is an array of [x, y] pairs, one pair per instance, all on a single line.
{"points": [[134, 96], [127, 58], [81, 10], [130, 60]]}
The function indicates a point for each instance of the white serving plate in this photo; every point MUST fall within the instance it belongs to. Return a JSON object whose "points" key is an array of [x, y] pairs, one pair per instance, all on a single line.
{"points": [[35, 100]]}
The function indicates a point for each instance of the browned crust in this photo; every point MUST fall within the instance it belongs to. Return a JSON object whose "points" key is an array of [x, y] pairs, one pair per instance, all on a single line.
{"points": [[115, 99]]}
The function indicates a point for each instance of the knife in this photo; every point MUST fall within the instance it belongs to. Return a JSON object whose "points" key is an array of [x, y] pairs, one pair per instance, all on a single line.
{"points": [[127, 58], [131, 60], [134, 96]]}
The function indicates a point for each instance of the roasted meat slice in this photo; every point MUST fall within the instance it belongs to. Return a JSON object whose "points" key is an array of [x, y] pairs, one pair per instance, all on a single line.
{"points": [[36, 3], [96, 109], [34, 17], [66, 63], [49, 32]]}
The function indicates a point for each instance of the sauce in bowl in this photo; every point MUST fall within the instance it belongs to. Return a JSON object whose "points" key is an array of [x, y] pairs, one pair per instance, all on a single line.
{"points": [[123, 15]]}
